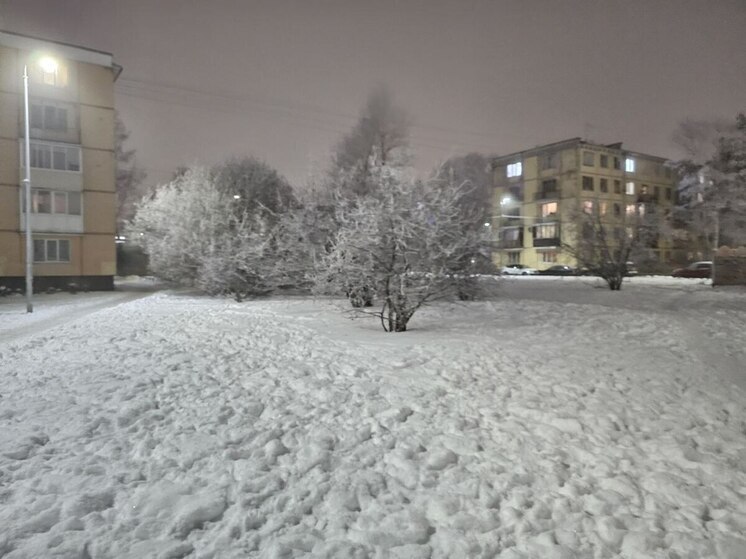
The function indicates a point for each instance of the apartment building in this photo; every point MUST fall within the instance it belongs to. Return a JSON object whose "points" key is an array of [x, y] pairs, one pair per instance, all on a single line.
{"points": [[538, 193], [73, 199]]}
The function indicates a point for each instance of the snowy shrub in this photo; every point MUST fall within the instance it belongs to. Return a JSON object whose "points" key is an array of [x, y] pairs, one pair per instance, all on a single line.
{"points": [[200, 235], [406, 245]]}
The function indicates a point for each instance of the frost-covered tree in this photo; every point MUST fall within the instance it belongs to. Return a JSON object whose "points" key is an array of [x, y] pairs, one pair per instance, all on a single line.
{"points": [[712, 194], [129, 177], [381, 133], [604, 246], [198, 234], [473, 171], [408, 245]]}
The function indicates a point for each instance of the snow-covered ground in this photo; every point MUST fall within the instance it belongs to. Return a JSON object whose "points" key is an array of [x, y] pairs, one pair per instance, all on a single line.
{"points": [[558, 421]]}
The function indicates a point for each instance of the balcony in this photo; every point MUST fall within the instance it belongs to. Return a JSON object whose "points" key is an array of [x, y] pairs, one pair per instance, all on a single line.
{"points": [[548, 242], [546, 195], [647, 199], [510, 243]]}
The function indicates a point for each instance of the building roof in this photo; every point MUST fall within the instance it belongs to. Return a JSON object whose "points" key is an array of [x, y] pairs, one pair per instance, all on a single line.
{"points": [[64, 50], [570, 142]]}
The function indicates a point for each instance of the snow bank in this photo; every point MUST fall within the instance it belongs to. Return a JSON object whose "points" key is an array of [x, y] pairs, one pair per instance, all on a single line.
{"points": [[176, 426]]}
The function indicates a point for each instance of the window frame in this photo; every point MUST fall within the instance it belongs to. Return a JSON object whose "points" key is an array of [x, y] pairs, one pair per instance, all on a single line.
{"points": [[589, 181], [513, 170], [629, 165], [57, 244], [46, 152]]}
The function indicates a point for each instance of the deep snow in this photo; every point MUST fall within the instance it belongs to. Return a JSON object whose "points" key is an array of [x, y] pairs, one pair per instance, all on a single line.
{"points": [[603, 425]]}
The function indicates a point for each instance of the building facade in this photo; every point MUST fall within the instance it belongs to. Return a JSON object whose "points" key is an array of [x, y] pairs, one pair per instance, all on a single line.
{"points": [[73, 196], [539, 192]]}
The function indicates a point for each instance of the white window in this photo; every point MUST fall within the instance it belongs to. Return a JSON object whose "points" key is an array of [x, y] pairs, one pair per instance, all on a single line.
{"points": [[56, 76], [53, 202], [588, 206], [629, 165], [630, 187], [59, 157], [546, 231], [548, 256], [549, 209], [51, 250], [603, 207], [515, 169], [631, 209]]}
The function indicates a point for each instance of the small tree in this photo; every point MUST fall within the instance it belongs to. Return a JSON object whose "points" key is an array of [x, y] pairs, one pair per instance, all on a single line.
{"points": [[603, 247], [129, 177], [409, 246]]}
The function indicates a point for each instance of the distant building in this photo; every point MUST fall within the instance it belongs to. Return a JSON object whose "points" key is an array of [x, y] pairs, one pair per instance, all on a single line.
{"points": [[539, 191], [72, 163]]}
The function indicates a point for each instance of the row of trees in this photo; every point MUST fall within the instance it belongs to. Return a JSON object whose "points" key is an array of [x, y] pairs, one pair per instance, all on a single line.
{"points": [[390, 242], [369, 230]]}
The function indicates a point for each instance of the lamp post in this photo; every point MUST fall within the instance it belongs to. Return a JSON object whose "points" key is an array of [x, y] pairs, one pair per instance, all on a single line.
{"points": [[27, 190], [48, 65]]}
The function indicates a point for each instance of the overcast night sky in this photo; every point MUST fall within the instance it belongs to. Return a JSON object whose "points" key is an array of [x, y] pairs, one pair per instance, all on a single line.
{"points": [[284, 80]]}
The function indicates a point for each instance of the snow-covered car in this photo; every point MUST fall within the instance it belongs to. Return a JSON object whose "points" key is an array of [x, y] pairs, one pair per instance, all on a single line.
{"points": [[517, 270], [701, 269]]}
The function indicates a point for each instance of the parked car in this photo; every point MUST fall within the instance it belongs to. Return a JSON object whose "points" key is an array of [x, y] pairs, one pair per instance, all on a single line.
{"points": [[701, 269], [558, 270], [518, 270]]}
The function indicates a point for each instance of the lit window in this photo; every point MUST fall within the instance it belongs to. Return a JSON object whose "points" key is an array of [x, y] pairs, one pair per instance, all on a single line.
{"points": [[588, 159], [51, 250], [549, 209], [630, 187], [588, 206], [641, 209], [603, 207], [629, 165], [515, 169], [631, 209]]}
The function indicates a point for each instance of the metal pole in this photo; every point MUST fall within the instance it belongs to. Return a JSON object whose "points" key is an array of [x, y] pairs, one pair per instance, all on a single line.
{"points": [[27, 183]]}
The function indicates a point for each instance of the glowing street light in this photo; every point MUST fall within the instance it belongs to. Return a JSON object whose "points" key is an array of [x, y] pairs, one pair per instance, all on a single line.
{"points": [[48, 64]]}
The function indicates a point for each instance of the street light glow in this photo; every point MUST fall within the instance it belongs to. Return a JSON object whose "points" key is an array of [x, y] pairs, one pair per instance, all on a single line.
{"points": [[506, 200], [48, 64]]}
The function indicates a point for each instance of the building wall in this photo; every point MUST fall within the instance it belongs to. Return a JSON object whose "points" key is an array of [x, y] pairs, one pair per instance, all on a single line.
{"points": [[568, 169], [88, 99]]}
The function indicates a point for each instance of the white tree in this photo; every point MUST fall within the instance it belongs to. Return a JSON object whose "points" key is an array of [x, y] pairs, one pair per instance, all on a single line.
{"points": [[408, 245], [196, 234]]}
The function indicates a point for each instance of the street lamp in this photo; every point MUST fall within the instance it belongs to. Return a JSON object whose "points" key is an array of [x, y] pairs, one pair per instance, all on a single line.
{"points": [[48, 65]]}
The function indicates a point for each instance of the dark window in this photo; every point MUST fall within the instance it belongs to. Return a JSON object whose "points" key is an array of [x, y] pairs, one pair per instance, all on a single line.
{"points": [[604, 161], [587, 183], [549, 161], [588, 159], [73, 203], [39, 251], [668, 193], [617, 187], [617, 210], [617, 163], [604, 186], [656, 192]]}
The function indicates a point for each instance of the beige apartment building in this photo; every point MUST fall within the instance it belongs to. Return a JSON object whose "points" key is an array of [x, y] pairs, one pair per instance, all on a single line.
{"points": [[538, 193], [71, 117]]}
